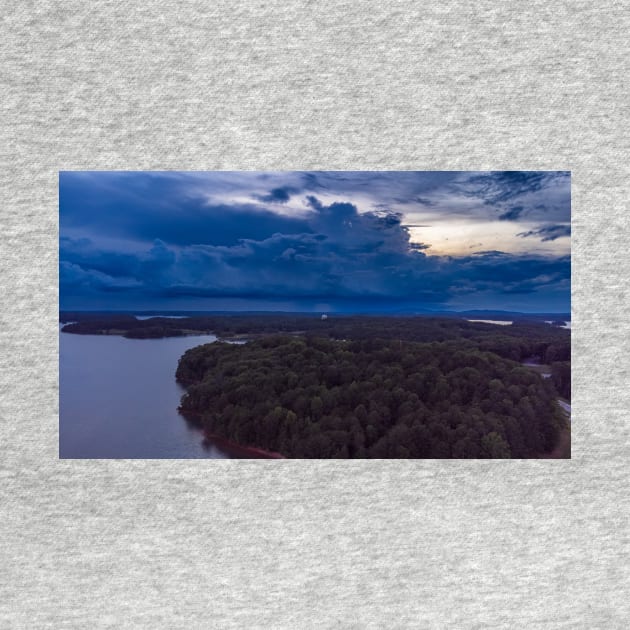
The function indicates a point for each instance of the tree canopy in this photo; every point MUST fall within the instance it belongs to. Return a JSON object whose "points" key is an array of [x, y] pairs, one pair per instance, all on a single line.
{"points": [[317, 397]]}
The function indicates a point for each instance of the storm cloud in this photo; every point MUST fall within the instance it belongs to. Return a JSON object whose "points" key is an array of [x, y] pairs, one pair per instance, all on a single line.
{"points": [[548, 232], [322, 236]]}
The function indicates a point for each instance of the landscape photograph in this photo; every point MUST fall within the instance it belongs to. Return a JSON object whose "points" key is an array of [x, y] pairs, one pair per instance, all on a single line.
{"points": [[315, 314]]}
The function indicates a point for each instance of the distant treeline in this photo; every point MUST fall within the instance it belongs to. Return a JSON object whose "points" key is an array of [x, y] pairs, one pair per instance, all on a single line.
{"points": [[521, 340], [317, 397]]}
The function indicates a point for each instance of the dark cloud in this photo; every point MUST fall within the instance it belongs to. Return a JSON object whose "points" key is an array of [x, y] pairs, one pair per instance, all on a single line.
{"points": [[345, 254], [147, 207], [302, 235], [73, 278], [548, 232], [513, 195], [424, 201], [508, 273], [277, 195], [501, 186], [385, 187], [512, 214]]}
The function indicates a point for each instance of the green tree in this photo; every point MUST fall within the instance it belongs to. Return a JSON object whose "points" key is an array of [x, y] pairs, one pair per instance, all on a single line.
{"points": [[493, 446]]}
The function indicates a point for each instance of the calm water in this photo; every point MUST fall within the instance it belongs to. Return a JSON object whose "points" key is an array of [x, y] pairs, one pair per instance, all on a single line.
{"points": [[491, 321], [118, 399], [141, 317]]}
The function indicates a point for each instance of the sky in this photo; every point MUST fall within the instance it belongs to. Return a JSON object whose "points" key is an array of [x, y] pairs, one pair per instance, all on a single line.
{"points": [[334, 241]]}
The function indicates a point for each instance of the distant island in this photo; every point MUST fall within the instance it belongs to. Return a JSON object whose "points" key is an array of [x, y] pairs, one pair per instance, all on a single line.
{"points": [[417, 327], [368, 386]]}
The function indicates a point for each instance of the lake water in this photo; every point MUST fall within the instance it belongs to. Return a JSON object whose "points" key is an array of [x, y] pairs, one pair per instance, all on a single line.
{"points": [[118, 399], [566, 325], [141, 317], [491, 321]]}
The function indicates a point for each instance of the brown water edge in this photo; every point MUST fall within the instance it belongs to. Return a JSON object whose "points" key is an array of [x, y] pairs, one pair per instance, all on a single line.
{"points": [[232, 448], [240, 451], [563, 447]]}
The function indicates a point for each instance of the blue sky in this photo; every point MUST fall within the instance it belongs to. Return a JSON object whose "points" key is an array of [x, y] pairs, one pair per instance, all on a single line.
{"points": [[333, 241]]}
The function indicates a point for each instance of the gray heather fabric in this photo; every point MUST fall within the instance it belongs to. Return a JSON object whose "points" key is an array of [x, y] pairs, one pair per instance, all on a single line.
{"points": [[313, 544]]}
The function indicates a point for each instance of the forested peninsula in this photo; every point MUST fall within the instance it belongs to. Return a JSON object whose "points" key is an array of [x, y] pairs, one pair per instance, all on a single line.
{"points": [[318, 397]]}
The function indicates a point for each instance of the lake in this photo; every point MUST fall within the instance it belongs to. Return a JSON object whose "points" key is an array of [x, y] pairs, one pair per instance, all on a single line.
{"points": [[142, 317], [118, 399], [491, 321]]}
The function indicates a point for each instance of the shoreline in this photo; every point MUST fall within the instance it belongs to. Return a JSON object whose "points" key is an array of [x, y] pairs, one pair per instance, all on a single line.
{"points": [[185, 333], [228, 445]]}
